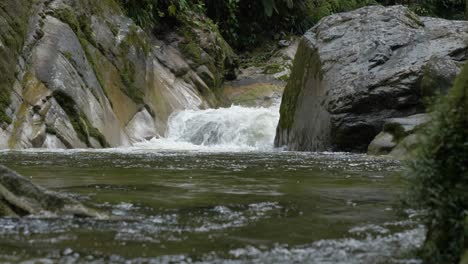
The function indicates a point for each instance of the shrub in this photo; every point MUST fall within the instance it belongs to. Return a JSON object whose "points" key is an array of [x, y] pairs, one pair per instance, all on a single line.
{"points": [[439, 176]]}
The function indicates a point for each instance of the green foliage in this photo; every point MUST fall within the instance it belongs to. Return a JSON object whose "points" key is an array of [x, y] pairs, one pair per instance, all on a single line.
{"points": [[306, 63], [149, 13], [246, 23], [451, 9], [439, 176]]}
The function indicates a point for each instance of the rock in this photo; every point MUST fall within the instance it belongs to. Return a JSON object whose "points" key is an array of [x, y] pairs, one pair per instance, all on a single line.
{"points": [[438, 76], [397, 132], [85, 70], [382, 144], [206, 75], [141, 127], [257, 94], [355, 70], [20, 197], [284, 43]]}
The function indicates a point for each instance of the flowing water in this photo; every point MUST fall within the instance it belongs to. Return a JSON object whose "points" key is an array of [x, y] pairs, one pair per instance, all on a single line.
{"points": [[215, 191]]}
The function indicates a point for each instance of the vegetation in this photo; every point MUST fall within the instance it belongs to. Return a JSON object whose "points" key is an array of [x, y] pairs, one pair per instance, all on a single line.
{"points": [[451, 9], [439, 176], [306, 63], [245, 23], [12, 31]]}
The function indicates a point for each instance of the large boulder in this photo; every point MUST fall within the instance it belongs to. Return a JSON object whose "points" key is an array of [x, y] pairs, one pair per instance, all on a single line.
{"points": [[355, 70], [20, 197]]}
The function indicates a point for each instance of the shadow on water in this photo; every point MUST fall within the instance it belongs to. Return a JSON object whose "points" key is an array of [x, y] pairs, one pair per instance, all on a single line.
{"points": [[256, 207]]}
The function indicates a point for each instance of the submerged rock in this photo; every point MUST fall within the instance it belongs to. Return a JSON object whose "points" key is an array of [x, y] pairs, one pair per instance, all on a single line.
{"points": [[20, 197], [355, 70]]}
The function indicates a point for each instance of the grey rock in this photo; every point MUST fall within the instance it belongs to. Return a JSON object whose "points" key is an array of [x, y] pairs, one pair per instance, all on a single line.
{"points": [[383, 143], [206, 75], [438, 76], [20, 197], [355, 70], [284, 43], [110, 69], [397, 134], [172, 59]]}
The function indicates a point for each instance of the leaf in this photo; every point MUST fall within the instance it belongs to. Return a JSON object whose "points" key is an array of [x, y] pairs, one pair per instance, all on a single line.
{"points": [[172, 9]]}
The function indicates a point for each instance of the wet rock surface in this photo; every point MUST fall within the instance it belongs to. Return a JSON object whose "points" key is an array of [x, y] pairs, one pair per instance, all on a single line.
{"points": [[398, 134], [20, 197], [85, 71], [355, 70]]}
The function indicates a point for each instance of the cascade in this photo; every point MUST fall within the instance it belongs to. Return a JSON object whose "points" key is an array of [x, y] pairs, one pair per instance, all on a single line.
{"points": [[235, 128]]}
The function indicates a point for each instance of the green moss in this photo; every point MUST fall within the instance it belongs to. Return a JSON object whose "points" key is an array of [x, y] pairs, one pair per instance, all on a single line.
{"points": [[415, 18], [273, 68], [439, 176], [190, 47], [86, 30], [284, 78], [127, 69], [128, 79], [306, 71], [220, 60], [68, 55], [12, 34], [67, 16], [84, 129], [396, 130]]}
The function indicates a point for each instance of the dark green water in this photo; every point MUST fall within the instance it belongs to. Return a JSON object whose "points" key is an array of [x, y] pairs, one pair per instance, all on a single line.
{"points": [[183, 207]]}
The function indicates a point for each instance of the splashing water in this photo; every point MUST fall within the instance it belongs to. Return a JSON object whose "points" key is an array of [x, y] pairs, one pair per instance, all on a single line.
{"points": [[230, 129]]}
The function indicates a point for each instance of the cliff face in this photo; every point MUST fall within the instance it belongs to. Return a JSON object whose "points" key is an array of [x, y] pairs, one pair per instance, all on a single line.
{"points": [[355, 70], [79, 73]]}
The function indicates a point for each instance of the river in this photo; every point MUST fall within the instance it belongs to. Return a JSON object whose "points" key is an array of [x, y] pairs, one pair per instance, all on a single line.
{"points": [[214, 190]]}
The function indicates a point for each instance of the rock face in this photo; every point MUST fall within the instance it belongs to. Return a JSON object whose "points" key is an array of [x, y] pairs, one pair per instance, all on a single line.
{"points": [[20, 197], [88, 76], [355, 70]]}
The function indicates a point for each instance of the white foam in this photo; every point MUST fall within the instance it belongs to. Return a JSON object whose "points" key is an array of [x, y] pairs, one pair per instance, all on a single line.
{"points": [[233, 129]]}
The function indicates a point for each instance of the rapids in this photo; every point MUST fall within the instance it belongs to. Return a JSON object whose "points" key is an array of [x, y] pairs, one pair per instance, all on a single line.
{"points": [[230, 129], [214, 190]]}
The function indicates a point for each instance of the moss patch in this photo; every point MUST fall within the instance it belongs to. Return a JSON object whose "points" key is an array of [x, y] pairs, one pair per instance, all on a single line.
{"points": [[12, 33], [78, 119], [67, 16], [307, 66], [273, 68]]}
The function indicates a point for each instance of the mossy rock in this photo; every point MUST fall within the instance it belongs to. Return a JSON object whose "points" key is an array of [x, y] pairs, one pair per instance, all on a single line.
{"points": [[12, 33], [438, 77], [306, 64], [257, 94], [83, 127], [20, 197]]}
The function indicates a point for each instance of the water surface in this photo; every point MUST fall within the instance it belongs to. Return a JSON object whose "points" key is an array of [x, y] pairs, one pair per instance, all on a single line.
{"points": [[215, 207]]}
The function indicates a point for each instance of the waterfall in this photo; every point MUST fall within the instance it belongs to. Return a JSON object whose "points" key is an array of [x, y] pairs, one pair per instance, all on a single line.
{"points": [[235, 128]]}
